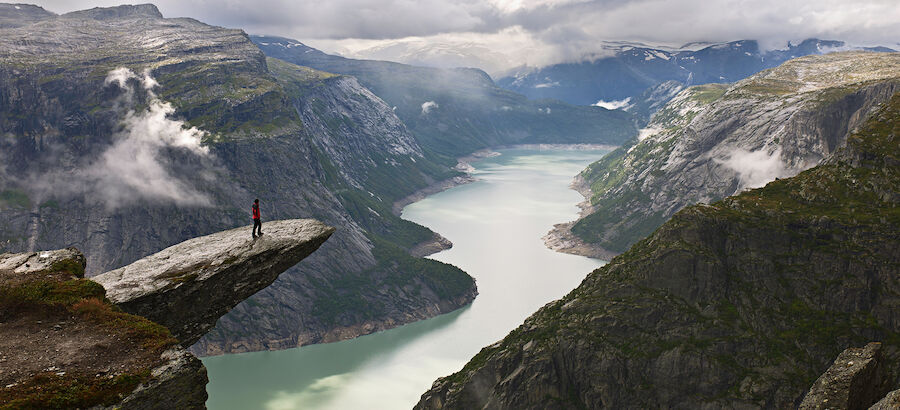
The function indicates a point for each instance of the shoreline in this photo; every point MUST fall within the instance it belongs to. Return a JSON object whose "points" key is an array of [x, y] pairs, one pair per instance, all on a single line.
{"points": [[463, 165], [559, 239]]}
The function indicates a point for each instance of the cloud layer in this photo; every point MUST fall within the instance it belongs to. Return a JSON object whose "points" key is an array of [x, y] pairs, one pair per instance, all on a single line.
{"points": [[539, 32], [755, 168], [134, 169]]}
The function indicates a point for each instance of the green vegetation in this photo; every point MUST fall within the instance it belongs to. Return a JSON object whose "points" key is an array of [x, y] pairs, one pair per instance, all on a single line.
{"points": [[54, 300], [708, 93], [228, 101], [610, 207], [342, 300], [15, 198], [51, 391]]}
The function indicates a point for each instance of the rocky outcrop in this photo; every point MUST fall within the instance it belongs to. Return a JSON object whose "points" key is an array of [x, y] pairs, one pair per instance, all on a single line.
{"points": [[221, 270], [73, 349], [857, 379], [179, 383], [742, 303], [28, 267], [716, 140], [889, 402], [64, 346]]}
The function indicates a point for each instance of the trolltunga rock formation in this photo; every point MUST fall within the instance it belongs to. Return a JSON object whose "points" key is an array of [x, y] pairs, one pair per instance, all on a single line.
{"points": [[188, 286]]}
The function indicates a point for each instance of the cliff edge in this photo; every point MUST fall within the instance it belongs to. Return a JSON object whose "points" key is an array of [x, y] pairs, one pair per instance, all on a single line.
{"points": [[72, 342], [218, 271]]}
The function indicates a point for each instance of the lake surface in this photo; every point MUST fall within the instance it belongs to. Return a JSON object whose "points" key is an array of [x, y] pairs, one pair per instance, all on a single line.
{"points": [[496, 225]]}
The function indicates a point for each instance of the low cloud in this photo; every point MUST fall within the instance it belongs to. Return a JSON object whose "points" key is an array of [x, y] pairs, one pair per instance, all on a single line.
{"points": [[550, 84], [134, 169], [428, 106], [755, 168], [615, 104]]}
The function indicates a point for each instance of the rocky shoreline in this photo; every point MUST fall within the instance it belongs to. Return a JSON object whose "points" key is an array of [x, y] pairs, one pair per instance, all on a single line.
{"points": [[561, 239], [464, 165], [337, 334]]}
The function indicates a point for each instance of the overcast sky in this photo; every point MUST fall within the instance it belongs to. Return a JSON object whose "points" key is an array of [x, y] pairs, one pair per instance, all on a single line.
{"points": [[538, 32]]}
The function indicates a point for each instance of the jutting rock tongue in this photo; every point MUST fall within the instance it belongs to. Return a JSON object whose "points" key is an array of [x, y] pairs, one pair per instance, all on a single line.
{"points": [[188, 286]]}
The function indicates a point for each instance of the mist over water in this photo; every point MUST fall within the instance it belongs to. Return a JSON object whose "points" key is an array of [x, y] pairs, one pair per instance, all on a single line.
{"points": [[496, 225]]}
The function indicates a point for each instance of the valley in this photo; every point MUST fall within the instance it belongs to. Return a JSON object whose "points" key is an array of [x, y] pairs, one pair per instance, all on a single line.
{"points": [[744, 196]]}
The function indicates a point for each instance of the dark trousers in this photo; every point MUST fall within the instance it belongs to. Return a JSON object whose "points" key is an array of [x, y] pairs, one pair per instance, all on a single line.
{"points": [[257, 224]]}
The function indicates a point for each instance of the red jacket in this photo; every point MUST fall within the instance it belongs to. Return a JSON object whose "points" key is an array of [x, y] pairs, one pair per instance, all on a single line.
{"points": [[255, 209]]}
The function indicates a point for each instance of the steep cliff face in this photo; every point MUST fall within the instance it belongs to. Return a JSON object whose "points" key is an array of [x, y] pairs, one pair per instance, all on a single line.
{"points": [[739, 304], [97, 110], [455, 112], [713, 141]]}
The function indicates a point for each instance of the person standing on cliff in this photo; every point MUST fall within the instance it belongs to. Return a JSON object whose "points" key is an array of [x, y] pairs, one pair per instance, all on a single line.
{"points": [[256, 221]]}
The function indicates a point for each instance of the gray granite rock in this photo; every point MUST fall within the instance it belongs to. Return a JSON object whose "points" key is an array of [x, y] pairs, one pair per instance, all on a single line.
{"points": [[857, 379], [179, 383], [188, 286], [890, 402]]}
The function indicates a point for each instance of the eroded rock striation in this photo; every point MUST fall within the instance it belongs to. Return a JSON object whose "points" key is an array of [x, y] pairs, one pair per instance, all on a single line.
{"points": [[187, 287], [742, 303]]}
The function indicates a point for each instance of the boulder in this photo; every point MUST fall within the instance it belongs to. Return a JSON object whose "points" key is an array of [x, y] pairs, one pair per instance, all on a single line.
{"points": [[889, 402], [857, 379]]}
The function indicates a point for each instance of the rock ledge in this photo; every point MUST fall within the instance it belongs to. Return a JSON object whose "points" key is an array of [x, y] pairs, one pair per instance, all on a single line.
{"points": [[188, 286]]}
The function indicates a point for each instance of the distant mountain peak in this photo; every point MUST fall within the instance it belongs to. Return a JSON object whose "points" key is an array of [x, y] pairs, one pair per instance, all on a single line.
{"points": [[17, 15], [117, 12]]}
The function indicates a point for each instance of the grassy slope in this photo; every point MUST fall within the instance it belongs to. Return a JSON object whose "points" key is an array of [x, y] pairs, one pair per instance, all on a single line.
{"points": [[56, 296]]}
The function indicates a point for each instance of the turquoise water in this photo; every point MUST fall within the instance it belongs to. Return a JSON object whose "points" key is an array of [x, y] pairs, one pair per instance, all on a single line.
{"points": [[496, 225]]}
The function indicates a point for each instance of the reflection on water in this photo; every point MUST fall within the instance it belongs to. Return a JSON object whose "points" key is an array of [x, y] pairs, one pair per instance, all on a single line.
{"points": [[495, 225]]}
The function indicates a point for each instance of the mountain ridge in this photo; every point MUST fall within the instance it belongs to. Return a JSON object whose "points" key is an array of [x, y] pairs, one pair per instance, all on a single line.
{"points": [[712, 141], [634, 68], [454, 112]]}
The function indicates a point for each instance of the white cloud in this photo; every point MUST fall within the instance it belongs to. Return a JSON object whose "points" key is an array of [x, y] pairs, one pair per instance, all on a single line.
{"points": [[549, 84], [615, 104], [755, 168], [133, 168], [428, 106], [540, 32]]}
